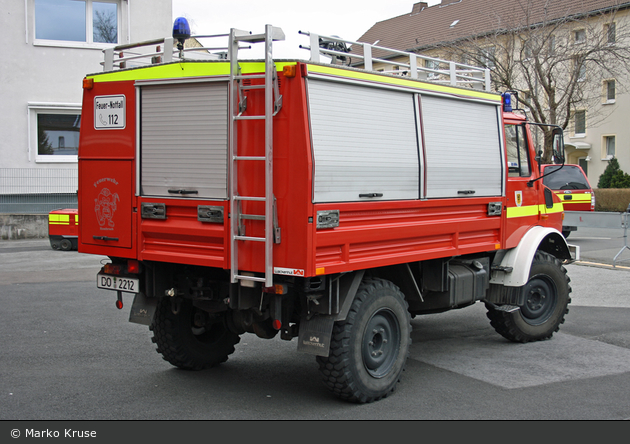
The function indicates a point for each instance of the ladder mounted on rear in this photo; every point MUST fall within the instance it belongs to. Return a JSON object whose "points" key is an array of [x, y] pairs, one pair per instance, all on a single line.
{"points": [[237, 105]]}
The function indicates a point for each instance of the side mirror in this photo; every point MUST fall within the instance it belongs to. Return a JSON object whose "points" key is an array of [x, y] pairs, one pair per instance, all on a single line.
{"points": [[558, 146]]}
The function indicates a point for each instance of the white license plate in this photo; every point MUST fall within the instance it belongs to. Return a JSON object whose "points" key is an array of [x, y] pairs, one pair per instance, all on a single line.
{"points": [[118, 283]]}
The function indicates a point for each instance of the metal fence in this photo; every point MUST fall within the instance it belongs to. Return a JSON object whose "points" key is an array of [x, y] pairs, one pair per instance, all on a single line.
{"points": [[37, 190]]}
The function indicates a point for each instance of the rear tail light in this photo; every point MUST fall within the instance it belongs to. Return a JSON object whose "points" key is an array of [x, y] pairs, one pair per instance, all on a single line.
{"points": [[133, 266], [115, 269]]}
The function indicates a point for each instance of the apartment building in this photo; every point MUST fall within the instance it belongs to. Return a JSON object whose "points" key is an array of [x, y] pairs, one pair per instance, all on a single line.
{"points": [[51, 46], [505, 34]]}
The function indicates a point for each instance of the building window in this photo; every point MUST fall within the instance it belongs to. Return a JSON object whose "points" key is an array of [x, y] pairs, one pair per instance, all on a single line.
{"points": [[611, 33], [580, 123], [527, 50], [579, 66], [552, 45], [609, 146], [433, 65], [487, 57], [609, 90], [579, 35], [54, 132], [77, 21]]}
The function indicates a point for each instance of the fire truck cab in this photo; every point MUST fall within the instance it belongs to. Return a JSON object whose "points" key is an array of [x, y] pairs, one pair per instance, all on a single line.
{"points": [[314, 201]]}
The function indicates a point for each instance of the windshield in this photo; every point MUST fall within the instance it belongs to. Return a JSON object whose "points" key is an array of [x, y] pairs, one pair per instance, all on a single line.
{"points": [[566, 177]]}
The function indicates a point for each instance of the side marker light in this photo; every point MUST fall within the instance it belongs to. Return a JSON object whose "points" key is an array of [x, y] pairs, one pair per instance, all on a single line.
{"points": [[289, 71]]}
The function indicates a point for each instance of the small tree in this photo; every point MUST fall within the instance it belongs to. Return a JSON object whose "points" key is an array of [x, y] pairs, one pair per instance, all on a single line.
{"points": [[620, 180], [613, 176]]}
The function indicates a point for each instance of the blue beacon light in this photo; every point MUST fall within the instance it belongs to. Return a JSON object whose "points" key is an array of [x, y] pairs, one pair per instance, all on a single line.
{"points": [[181, 31], [507, 102]]}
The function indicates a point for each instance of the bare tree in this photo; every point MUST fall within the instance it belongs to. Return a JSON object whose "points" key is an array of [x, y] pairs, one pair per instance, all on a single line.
{"points": [[557, 66]]}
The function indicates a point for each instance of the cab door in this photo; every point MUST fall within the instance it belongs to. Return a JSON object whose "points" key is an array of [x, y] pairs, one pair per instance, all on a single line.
{"points": [[522, 196]]}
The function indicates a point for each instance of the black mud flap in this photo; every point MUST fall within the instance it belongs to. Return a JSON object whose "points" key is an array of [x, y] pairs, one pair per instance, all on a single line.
{"points": [[316, 331], [315, 334], [142, 309]]}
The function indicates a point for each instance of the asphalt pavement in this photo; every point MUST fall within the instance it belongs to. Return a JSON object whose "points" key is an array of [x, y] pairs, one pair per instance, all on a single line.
{"points": [[69, 354]]}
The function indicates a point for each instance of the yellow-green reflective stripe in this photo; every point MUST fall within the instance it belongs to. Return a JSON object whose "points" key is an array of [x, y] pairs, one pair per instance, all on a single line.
{"points": [[59, 219], [427, 86], [182, 70], [579, 197], [557, 208], [527, 210], [534, 210]]}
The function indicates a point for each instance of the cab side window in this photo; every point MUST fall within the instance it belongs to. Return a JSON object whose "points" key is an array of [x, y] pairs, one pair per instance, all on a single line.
{"points": [[517, 154]]}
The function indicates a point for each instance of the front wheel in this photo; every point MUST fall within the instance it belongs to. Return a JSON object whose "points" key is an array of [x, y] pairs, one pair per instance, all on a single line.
{"points": [[190, 338], [546, 303], [369, 348]]}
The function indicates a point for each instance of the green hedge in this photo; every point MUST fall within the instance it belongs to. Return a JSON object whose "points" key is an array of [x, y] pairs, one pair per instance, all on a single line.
{"points": [[612, 199]]}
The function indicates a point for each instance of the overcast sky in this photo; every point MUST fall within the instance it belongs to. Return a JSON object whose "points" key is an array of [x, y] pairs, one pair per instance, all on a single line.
{"points": [[348, 19]]}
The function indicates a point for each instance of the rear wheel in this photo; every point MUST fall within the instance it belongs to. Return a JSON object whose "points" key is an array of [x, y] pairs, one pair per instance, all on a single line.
{"points": [[65, 245], [546, 303], [369, 348], [190, 338]]}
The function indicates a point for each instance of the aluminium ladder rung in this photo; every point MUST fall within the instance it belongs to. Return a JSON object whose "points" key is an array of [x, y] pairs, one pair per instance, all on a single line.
{"points": [[251, 198], [250, 238], [247, 87], [275, 33], [251, 38], [249, 278], [253, 216], [249, 158], [249, 117]]}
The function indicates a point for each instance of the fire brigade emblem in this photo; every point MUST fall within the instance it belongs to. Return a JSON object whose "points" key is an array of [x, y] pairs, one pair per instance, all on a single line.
{"points": [[518, 195], [105, 206]]}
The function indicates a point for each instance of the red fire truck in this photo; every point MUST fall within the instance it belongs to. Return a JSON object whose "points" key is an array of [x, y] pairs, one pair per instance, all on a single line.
{"points": [[313, 200]]}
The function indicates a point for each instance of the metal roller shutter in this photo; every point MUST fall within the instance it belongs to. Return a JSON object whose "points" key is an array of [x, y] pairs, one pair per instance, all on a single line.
{"points": [[184, 139], [364, 143], [463, 149]]}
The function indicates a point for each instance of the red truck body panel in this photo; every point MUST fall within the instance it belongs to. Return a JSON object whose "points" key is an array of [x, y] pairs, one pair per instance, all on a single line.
{"points": [[370, 234]]}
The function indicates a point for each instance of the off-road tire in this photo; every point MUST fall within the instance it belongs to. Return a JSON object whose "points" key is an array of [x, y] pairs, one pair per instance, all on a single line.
{"points": [[186, 346], [369, 349], [546, 303]]}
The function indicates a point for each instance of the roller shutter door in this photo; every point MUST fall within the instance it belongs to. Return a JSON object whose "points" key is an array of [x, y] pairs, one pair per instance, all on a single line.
{"points": [[365, 143], [463, 149], [184, 139]]}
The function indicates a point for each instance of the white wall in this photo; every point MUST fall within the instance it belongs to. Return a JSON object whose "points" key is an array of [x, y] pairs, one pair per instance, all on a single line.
{"points": [[31, 73]]}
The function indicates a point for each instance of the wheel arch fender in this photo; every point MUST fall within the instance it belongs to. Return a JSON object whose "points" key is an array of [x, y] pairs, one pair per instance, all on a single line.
{"points": [[514, 267]]}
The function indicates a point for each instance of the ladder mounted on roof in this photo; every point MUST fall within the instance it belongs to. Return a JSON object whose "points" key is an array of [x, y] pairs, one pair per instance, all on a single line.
{"points": [[237, 105]]}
